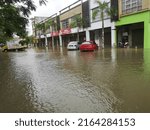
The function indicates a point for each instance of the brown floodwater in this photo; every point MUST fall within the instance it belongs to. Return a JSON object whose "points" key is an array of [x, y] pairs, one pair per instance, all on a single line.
{"points": [[57, 80]]}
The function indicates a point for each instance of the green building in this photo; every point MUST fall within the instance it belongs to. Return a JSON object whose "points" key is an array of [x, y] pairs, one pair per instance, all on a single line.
{"points": [[133, 24]]}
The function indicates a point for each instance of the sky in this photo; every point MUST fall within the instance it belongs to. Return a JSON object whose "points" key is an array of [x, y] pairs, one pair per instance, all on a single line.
{"points": [[52, 7]]}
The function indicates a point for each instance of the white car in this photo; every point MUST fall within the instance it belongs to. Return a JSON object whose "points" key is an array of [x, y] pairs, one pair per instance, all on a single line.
{"points": [[73, 45]]}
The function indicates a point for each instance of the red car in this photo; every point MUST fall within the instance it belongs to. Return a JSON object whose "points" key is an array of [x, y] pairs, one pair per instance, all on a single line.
{"points": [[88, 46]]}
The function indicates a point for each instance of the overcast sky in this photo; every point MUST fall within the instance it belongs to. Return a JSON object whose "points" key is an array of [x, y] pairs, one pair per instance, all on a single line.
{"points": [[52, 7]]}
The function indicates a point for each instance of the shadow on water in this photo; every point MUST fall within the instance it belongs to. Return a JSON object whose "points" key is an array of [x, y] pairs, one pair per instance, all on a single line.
{"points": [[57, 80]]}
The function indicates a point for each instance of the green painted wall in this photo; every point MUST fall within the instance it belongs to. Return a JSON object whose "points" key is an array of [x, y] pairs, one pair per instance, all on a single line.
{"points": [[136, 18]]}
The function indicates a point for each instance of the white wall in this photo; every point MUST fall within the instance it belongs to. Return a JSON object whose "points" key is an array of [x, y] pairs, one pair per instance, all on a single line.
{"points": [[98, 24], [93, 3]]}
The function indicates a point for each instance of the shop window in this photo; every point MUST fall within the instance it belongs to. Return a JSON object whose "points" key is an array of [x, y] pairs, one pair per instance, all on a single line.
{"points": [[65, 23]]}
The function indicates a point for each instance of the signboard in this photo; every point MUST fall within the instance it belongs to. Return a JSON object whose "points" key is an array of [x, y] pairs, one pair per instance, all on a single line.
{"points": [[54, 34], [65, 31]]}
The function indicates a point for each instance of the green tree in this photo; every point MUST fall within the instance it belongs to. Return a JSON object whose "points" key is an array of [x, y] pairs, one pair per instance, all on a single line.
{"points": [[40, 28], [11, 22], [77, 21], [103, 8], [26, 41], [51, 24], [14, 17]]}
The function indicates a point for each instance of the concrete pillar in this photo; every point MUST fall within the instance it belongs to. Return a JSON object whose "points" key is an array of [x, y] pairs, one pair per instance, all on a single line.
{"points": [[60, 40], [46, 41], [113, 55], [87, 35], [146, 34], [113, 35], [130, 37], [97, 37]]}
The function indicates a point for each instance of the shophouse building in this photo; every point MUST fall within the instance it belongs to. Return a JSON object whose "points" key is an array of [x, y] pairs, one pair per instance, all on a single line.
{"points": [[134, 23], [130, 24], [89, 29], [35, 21], [49, 34], [96, 25], [52, 31], [74, 20], [65, 29]]}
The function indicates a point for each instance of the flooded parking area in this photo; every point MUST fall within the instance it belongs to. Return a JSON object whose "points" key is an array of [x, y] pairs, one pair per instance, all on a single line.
{"points": [[57, 80]]}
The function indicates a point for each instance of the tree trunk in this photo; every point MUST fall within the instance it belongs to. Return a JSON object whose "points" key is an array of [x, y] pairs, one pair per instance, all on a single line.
{"points": [[46, 41], [78, 38], [52, 41], [52, 38], [103, 39]]}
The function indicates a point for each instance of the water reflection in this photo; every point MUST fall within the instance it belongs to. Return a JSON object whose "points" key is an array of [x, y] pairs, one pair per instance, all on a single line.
{"points": [[57, 80]]}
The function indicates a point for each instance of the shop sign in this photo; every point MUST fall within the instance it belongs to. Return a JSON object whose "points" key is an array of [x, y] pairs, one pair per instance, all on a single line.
{"points": [[65, 31], [54, 34]]}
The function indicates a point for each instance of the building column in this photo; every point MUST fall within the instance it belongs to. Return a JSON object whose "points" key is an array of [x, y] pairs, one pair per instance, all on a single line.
{"points": [[113, 35], [60, 40], [146, 34], [130, 37], [87, 35], [46, 41], [97, 37]]}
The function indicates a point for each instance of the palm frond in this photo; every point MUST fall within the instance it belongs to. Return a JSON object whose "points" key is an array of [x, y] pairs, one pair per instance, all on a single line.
{"points": [[102, 5], [41, 2], [95, 12]]}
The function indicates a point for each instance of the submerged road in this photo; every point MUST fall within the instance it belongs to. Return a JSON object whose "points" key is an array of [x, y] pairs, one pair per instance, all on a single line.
{"points": [[46, 80]]}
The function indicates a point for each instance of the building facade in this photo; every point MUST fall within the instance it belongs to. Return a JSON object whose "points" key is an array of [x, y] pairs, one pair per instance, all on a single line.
{"points": [[130, 23], [69, 30], [96, 25], [134, 22]]}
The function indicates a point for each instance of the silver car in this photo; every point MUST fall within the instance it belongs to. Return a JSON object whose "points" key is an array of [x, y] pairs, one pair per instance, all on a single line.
{"points": [[73, 45]]}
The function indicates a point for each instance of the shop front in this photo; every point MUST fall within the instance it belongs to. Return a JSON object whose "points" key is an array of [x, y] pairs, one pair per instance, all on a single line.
{"points": [[134, 29]]}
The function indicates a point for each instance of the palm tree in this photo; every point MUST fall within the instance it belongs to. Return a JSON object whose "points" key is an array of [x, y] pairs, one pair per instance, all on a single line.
{"points": [[42, 2], [40, 27], [51, 24], [77, 22], [103, 8]]}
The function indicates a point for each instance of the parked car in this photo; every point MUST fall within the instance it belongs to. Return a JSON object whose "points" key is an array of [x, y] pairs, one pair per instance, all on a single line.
{"points": [[73, 45], [88, 46]]}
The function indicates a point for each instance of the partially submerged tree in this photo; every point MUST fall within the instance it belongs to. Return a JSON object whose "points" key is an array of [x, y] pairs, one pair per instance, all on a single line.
{"points": [[103, 8]]}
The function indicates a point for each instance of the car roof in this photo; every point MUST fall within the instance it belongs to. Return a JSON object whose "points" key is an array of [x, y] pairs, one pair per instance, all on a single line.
{"points": [[73, 42], [87, 42]]}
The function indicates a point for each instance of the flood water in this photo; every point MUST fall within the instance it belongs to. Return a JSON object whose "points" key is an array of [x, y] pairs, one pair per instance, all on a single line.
{"points": [[57, 80]]}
